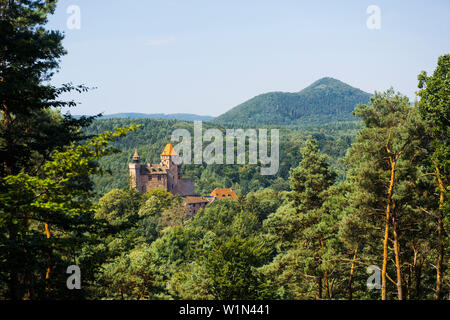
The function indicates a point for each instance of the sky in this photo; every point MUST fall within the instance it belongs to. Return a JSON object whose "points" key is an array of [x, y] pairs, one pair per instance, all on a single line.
{"points": [[207, 56]]}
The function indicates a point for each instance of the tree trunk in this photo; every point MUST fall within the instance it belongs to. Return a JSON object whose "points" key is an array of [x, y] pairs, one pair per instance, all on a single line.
{"points": [[327, 287], [47, 274], [418, 276], [410, 279], [386, 229], [408, 282], [352, 272], [325, 274], [440, 230], [398, 265]]}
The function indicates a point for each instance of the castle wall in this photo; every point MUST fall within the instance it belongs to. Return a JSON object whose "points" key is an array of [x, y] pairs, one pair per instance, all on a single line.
{"points": [[172, 179], [195, 207], [186, 187], [154, 182]]}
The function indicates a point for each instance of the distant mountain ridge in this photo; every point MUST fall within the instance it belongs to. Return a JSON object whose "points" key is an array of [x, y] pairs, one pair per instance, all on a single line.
{"points": [[174, 116], [326, 100]]}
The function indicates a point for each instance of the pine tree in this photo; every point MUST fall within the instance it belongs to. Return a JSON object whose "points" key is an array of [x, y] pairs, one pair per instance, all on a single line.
{"points": [[45, 161], [384, 165], [435, 108], [302, 227], [29, 56]]}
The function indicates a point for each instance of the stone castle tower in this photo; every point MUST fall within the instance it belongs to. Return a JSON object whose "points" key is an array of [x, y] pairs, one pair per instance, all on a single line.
{"points": [[165, 175]]}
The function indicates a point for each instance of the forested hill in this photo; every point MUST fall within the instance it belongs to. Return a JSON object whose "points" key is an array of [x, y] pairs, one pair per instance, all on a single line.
{"points": [[326, 100], [154, 134]]}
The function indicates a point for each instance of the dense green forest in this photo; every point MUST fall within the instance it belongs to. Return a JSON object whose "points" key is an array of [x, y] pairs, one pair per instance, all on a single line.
{"points": [[349, 197], [149, 140]]}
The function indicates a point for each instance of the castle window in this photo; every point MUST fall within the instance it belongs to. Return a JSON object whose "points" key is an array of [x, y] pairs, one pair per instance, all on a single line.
{"points": [[159, 177]]}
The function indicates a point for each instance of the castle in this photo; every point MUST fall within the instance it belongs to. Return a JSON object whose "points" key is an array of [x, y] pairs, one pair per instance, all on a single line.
{"points": [[165, 175]]}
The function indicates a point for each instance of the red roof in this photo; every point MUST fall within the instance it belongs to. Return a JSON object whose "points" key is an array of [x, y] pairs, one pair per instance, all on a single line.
{"points": [[224, 193]]}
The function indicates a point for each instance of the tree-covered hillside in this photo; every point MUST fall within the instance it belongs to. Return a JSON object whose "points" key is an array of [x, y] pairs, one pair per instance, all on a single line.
{"points": [[326, 100], [154, 134]]}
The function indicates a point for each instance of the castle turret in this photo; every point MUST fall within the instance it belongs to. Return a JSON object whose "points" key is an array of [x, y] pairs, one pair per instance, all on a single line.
{"points": [[167, 160], [135, 170], [168, 156], [136, 157]]}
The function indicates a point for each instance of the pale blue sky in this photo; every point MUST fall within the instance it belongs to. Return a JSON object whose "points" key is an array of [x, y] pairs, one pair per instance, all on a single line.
{"points": [[207, 56]]}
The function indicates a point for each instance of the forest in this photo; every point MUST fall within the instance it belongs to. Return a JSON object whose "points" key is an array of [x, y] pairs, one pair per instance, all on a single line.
{"points": [[153, 134], [351, 195], [326, 100]]}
